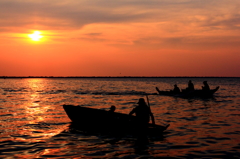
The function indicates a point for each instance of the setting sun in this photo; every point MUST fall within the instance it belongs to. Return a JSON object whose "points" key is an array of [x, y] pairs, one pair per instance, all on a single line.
{"points": [[35, 36]]}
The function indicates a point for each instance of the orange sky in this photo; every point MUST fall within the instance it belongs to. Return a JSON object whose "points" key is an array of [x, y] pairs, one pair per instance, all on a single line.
{"points": [[120, 38]]}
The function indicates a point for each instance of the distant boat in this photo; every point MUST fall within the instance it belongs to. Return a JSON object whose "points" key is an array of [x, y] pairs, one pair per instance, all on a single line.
{"points": [[105, 121], [189, 94]]}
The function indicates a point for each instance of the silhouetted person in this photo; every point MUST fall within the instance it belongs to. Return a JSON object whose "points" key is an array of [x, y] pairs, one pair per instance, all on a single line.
{"points": [[143, 114], [206, 86], [112, 108], [112, 119], [190, 86], [176, 89]]}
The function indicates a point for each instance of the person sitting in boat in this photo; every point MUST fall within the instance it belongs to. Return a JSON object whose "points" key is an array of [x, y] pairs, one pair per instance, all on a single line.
{"points": [[112, 117], [206, 86], [190, 86], [143, 114], [176, 89], [112, 109]]}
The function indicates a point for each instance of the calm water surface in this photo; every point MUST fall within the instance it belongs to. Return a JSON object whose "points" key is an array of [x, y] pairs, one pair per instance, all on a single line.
{"points": [[33, 123]]}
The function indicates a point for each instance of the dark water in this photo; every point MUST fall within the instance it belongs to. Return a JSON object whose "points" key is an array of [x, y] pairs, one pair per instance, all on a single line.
{"points": [[33, 123]]}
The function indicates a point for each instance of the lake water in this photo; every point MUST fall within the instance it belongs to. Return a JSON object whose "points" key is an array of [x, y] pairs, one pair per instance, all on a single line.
{"points": [[33, 123]]}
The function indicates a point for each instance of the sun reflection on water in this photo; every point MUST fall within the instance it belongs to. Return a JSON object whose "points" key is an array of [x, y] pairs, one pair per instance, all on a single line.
{"points": [[33, 108], [38, 117]]}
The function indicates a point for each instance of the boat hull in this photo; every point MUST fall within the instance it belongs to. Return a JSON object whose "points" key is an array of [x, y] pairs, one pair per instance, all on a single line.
{"points": [[191, 94], [110, 122]]}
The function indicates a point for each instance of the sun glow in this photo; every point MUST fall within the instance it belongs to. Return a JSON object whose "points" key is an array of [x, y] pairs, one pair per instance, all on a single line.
{"points": [[35, 36]]}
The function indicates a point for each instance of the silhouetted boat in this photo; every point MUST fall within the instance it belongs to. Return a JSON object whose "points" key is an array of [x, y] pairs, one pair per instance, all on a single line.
{"points": [[189, 94], [112, 122]]}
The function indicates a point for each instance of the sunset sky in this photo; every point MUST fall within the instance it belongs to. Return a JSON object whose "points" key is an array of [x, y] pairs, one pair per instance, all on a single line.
{"points": [[120, 38]]}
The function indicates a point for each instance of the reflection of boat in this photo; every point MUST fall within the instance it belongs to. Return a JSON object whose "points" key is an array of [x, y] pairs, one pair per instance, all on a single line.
{"points": [[187, 94], [111, 122]]}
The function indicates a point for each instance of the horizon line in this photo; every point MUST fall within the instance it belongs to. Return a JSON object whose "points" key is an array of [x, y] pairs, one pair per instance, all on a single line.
{"points": [[119, 77]]}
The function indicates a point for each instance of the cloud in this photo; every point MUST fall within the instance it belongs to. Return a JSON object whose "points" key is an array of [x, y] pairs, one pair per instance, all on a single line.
{"points": [[75, 14], [226, 22], [22, 13], [172, 21]]}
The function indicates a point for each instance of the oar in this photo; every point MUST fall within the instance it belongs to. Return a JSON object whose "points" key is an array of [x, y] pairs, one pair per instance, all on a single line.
{"points": [[151, 111], [152, 117]]}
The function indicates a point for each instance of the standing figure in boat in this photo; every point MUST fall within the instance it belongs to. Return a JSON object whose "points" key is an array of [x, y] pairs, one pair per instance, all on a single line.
{"points": [[206, 86], [176, 89], [143, 114], [190, 87]]}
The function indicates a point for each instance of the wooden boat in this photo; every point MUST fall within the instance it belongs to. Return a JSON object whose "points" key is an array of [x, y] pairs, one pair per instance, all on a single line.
{"points": [[189, 94], [111, 122]]}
